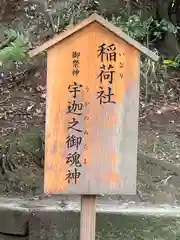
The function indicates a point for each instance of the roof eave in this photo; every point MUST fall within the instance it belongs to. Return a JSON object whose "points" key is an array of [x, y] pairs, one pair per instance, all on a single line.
{"points": [[84, 23]]}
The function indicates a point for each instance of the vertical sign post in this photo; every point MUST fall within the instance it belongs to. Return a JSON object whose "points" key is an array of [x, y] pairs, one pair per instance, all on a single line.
{"points": [[92, 114], [88, 218]]}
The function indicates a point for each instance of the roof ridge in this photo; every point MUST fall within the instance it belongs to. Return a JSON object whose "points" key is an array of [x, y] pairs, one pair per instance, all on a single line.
{"points": [[86, 22]]}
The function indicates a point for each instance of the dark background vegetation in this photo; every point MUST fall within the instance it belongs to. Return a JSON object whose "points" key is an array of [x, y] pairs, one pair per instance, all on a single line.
{"points": [[26, 24]]}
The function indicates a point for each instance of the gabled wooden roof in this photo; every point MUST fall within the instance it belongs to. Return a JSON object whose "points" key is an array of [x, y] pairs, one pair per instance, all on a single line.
{"points": [[94, 18]]}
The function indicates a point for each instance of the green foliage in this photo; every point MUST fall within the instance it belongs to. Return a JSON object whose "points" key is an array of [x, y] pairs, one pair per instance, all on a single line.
{"points": [[133, 26], [173, 63], [71, 13], [16, 51], [146, 31], [154, 76]]}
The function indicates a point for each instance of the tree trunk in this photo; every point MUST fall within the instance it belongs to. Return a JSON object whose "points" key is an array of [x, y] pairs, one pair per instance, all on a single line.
{"points": [[129, 7], [169, 46]]}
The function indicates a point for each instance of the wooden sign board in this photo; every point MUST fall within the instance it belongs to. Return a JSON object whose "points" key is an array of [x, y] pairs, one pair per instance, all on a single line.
{"points": [[92, 112]]}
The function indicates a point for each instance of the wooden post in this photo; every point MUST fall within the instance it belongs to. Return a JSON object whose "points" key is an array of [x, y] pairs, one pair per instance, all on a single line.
{"points": [[88, 217]]}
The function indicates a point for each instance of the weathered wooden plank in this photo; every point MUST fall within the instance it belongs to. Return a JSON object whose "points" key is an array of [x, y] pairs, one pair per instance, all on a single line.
{"points": [[88, 218], [107, 157]]}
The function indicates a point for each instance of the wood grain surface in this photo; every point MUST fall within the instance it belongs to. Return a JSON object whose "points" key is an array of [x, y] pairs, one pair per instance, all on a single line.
{"points": [[108, 148]]}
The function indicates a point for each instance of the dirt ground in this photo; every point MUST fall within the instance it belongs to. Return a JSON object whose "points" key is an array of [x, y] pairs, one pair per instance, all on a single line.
{"points": [[22, 117], [159, 158]]}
